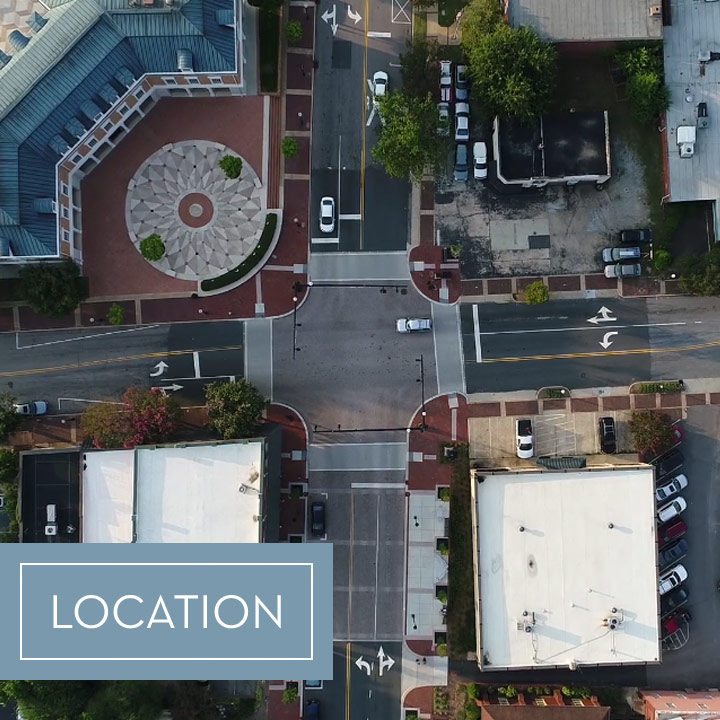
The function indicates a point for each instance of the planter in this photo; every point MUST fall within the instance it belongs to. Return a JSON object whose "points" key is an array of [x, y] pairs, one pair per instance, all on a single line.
{"points": [[553, 392], [651, 388]]}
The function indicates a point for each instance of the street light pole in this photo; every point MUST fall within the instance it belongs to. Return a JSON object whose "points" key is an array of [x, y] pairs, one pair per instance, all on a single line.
{"points": [[423, 415]]}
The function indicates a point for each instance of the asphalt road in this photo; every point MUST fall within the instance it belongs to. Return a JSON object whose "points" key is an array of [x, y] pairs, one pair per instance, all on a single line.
{"points": [[372, 209], [68, 368], [588, 343]]}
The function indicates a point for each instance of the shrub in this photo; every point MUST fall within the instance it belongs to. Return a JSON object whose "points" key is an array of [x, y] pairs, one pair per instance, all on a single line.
{"points": [[647, 92], [471, 691], [440, 701], [472, 710], [442, 596], [441, 650], [290, 147], [9, 419], [293, 31], [290, 694], [536, 293], [52, 288], [455, 251], [662, 260], [235, 409], [443, 549], [115, 314], [232, 166], [444, 494], [670, 386], [651, 431], [152, 248], [510, 691]]}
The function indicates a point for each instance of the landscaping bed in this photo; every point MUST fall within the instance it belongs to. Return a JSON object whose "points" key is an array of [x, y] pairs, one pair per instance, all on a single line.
{"points": [[269, 50]]}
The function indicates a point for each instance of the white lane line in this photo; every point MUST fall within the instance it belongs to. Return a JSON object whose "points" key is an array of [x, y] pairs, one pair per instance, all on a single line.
{"points": [[377, 564], [574, 329], [379, 34], [18, 346], [324, 240], [350, 216], [196, 363], [476, 330], [376, 486]]}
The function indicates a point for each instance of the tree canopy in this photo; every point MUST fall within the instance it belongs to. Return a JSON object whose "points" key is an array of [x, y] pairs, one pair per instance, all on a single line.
{"points": [[419, 67], [408, 142], [235, 409], [514, 72], [52, 288], [9, 419], [651, 431], [480, 18], [700, 275]]}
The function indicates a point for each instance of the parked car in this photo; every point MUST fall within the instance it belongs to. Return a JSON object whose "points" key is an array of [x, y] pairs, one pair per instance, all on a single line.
{"points": [[380, 84], [665, 492], [668, 463], [445, 73], [461, 163], [670, 532], [317, 519], [410, 325], [446, 94], [312, 710], [673, 600], [608, 437], [524, 439], [461, 83], [327, 214], [2, 501], [672, 509], [480, 169], [621, 254], [38, 407], [672, 553], [462, 127], [628, 237], [620, 270], [676, 621], [443, 119], [672, 579]]}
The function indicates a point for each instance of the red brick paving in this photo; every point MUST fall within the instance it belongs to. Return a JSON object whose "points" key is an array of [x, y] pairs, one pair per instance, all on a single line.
{"points": [[236, 303], [599, 282], [671, 400], [30, 320], [292, 516], [427, 195], [555, 404], [637, 287], [523, 282], [299, 164], [472, 287], [110, 260], [99, 311], [696, 398], [499, 286], [645, 401], [427, 229], [293, 105], [715, 398], [521, 407], [278, 291], [485, 410], [425, 281], [672, 287], [7, 321], [277, 710], [563, 282], [294, 79], [421, 647], [584, 404], [421, 698], [308, 27], [616, 402]]}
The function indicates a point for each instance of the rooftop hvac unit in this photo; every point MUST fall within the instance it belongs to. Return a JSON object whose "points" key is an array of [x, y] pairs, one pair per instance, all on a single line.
{"points": [[686, 136], [51, 529], [655, 11]]}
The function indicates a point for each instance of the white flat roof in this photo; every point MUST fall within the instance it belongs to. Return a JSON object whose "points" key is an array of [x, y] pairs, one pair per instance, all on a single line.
{"points": [[107, 492], [567, 569], [196, 493], [695, 27]]}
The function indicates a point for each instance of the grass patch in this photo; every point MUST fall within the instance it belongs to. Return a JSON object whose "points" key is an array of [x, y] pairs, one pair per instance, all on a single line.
{"points": [[448, 10], [420, 26], [451, 52], [269, 50], [249, 263], [461, 605], [670, 386]]}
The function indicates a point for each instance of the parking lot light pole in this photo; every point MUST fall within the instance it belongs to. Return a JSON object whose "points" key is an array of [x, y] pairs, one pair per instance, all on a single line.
{"points": [[423, 414]]}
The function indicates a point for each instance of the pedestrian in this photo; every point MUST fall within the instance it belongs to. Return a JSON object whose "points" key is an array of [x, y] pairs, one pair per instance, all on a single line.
{"points": [[424, 661], [417, 660]]}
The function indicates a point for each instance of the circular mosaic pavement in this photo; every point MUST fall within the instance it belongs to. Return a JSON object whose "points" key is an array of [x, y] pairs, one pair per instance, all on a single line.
{"points": [[209, 224]]}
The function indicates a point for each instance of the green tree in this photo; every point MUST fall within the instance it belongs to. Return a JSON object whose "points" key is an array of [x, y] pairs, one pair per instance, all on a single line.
{"points": [[43, 700], [647, 92], [106, 425], [52, 288], [651, 432], [9, 466], [290, 694], [9, 469], [293, 31], [480, 18], [152, 247], [232, 166], [289, 147], [9, 419], [115, 314], [662, 260], [700, 275], [126, 700], [235, 409], [419, 67], [514, 72], [408, 142], [536, 293]]}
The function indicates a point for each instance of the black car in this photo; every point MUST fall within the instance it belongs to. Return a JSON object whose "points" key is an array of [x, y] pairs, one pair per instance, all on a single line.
{"points": [[668, 464], [633, 237], [317, 519], [312, 710], [673, 600], [672, 553], [608, 438]]}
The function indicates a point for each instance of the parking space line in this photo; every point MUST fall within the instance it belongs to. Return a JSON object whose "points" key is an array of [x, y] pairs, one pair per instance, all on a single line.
{"points": [[476, 329], [196, 363], [350, 216], [374, 34], [377, 564], [377, 486], [324, 241]]}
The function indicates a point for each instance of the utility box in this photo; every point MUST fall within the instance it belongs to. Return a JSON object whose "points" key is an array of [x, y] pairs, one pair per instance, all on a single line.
{"points": [[703, 120], [686, 136]]}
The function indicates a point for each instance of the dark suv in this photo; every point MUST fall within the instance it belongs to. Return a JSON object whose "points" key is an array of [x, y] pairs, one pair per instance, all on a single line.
{"points": [[668, 464], [317, 519], [672, 553], [608, 438]]}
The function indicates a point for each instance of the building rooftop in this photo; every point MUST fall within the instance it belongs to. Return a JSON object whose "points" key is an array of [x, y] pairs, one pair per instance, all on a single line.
{"points": [[551, 712], [695, 28], [549, 591], [193, 493], [587, 20]]}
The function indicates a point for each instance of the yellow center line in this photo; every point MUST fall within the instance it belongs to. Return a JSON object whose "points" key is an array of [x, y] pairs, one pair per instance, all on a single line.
{"points": [[605, 353], [364, 127], [110, 361]]}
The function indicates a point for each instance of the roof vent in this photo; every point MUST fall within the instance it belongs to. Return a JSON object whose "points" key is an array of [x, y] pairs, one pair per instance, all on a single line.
{"points": [[655, 11], [58, 144], [184, 60], [225, 17], [108, 93], [4, 59], [44, 206], [75, 127], [124, 77], [18, 40], [91, 111], [36, 22]]}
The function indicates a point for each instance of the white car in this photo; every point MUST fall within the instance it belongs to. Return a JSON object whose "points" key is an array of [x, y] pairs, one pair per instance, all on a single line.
{"points": [[672, 509], [445, 73], [665, 492], [443, 119], [327, 214], [410, 325], [480, 171], [380, 84], [672, 579], [39, 407], [524, 439], [462, 128]]}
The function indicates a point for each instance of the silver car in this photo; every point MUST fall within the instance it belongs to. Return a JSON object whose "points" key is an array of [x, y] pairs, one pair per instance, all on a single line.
{"points": [[461, 163], [620, 270], [411, 325], [621, 254]]}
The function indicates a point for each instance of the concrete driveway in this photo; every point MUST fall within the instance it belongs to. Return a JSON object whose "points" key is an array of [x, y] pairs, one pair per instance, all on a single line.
{"points": [[696, 664]]}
